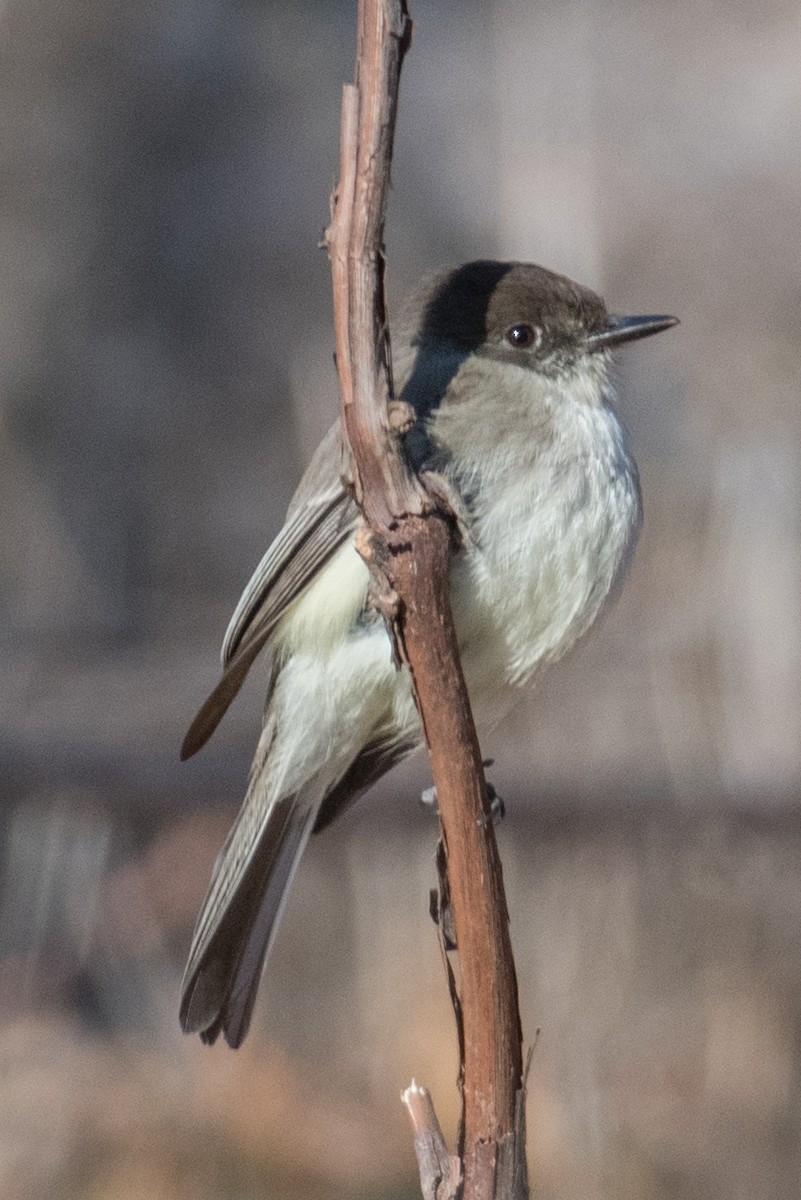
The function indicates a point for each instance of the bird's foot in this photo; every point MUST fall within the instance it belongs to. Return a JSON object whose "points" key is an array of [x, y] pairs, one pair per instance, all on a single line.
{"points": [[496, 806]]}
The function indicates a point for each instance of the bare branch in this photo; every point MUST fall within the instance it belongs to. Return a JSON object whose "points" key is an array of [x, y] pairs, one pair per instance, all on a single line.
{"points": [[412, 534]]}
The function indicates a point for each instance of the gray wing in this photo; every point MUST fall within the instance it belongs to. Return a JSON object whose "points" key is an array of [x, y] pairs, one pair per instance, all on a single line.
{"points": [[321, 517]]}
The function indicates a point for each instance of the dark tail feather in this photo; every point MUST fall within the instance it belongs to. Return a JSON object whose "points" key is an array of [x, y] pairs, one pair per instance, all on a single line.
{"points": [[222, 976], [218, 703]]}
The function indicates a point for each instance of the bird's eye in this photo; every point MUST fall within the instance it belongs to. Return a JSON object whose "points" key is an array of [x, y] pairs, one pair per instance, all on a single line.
{"points": [[522, 336]]}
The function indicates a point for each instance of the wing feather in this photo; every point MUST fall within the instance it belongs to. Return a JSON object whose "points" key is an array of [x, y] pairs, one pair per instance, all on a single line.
{"points": [[321, 516]]}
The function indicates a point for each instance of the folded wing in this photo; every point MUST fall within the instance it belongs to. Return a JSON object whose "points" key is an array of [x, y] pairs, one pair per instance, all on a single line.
{"points": [[321, 517]]}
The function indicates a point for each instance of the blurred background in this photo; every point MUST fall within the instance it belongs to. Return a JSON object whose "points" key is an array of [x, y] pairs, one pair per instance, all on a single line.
{"points": [[165, 372]]}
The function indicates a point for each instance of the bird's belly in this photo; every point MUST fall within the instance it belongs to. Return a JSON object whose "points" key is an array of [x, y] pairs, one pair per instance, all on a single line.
{"points": [[542, 568]]}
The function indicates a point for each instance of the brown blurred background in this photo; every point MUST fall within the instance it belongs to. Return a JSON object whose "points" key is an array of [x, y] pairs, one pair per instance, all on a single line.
{"points": [[165, 361]]}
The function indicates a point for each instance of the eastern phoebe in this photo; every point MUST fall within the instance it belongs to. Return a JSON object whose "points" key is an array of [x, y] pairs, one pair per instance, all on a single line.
{"points": [[506, 367]]}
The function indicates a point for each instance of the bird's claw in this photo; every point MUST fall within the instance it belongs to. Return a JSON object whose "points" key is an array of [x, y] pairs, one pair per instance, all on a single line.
{"points": [[496, 806]]}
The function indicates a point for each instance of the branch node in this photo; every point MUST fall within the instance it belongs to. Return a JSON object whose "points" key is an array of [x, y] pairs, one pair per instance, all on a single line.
{"points": [[448, 501], [401, 416]]}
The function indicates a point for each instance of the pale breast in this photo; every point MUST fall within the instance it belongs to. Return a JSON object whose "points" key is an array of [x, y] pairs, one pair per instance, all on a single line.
{"points": [[550, 544]]}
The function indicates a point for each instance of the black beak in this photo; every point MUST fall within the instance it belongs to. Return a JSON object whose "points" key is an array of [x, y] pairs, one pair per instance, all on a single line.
{"points": [[626, 329]]}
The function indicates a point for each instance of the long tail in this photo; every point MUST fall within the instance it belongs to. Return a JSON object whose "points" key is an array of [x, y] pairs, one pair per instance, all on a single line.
{"points": [[239, 918]]}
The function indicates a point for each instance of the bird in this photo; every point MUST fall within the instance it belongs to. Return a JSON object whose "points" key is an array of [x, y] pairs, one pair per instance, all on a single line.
{"points": [[506, 367]]}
